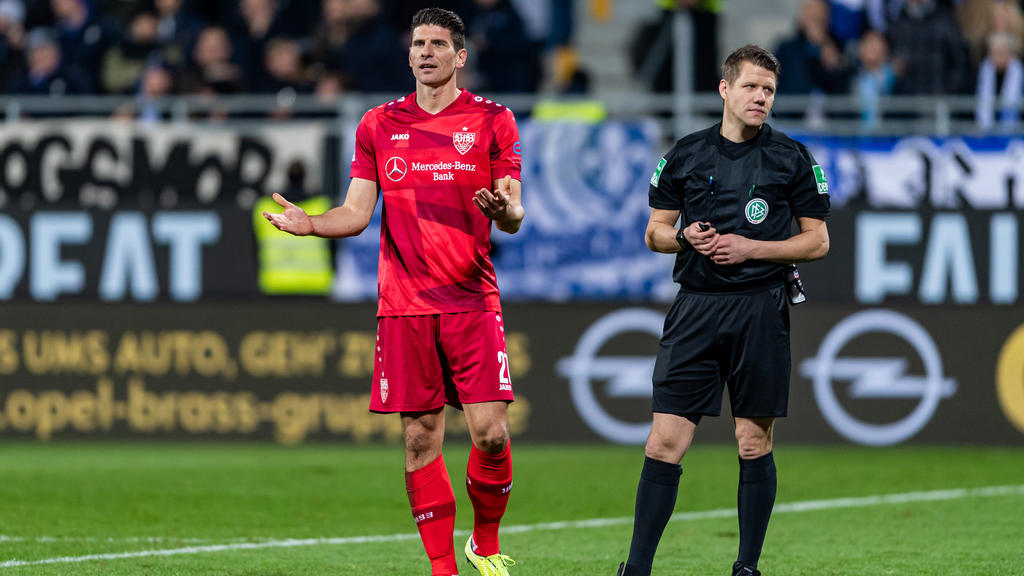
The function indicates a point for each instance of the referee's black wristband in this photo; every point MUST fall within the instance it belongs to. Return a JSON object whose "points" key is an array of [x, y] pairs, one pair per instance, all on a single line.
{"points": [[684, 244]]}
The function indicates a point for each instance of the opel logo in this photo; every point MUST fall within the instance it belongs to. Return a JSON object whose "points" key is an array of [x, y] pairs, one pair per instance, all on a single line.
{"points": [[622, 376], [877, 377], [395, 169]]}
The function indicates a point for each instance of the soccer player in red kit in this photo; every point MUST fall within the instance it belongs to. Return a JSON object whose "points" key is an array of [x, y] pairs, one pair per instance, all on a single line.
{"points": [[435, 156]]}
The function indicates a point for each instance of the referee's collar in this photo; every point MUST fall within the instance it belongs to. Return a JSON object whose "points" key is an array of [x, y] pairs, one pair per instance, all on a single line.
{"points": [[714, 136]]}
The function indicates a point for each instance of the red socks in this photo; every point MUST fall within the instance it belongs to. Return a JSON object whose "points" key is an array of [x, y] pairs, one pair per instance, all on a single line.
{"points": [[433, 508], [489, 482]]}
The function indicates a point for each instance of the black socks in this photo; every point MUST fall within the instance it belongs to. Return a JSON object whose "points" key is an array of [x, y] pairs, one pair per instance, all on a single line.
{"points": [[655, 501], [755, 499]]}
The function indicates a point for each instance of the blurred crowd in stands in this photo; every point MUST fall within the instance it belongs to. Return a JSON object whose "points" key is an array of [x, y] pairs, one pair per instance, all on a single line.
{"points": [[915, 47], [870, 49], [920, 47], [154, 48]]}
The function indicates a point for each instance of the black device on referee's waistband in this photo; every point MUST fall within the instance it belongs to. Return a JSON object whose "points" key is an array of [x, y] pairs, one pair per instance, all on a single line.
{"points": [[794, 287]]}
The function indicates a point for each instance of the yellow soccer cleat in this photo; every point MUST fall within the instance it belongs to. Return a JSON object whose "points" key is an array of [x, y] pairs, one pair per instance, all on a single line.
{"points": [[493, 565]]}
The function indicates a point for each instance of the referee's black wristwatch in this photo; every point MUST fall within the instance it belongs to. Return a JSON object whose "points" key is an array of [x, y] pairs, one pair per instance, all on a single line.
{"points": [[684, 244]]}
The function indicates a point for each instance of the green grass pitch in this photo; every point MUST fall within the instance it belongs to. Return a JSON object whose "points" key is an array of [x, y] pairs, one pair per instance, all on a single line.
{"points": [[251, 509]]}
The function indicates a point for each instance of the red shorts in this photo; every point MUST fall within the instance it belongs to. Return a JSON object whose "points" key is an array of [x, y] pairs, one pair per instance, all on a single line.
{"points": [[425, 362]]}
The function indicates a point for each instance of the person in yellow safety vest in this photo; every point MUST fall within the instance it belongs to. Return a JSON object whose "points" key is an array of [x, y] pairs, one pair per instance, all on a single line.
{"points": [[292, 264], [574, 105]]}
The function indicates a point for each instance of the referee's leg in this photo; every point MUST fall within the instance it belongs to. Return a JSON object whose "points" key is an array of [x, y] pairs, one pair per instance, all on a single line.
{"points": [[756, 493], [668, 442]]}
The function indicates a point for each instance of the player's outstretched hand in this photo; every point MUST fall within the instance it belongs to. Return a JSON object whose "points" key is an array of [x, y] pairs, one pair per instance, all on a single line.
{"points": [[495, 204], [293, 220]]}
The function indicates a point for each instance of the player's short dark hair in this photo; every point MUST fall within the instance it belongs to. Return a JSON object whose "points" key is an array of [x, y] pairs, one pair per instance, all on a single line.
{"points": [[755, 55], [445, 19]]}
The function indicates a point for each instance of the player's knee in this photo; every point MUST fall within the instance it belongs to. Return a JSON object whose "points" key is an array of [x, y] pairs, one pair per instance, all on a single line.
{"points": [[753, 445], [491, 439], [749, 452], [664, 448], [420, 442]]}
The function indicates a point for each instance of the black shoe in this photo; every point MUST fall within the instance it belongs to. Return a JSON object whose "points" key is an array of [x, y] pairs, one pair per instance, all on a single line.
{"points": [[738, 569], [622, 569]]}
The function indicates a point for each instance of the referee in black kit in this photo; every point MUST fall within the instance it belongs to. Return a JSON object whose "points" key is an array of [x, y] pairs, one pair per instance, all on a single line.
{"points": [[736, 187]]}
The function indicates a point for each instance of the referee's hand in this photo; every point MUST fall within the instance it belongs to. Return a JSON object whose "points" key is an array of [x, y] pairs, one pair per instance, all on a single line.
{"points": [[733, 249], [703, 241]]}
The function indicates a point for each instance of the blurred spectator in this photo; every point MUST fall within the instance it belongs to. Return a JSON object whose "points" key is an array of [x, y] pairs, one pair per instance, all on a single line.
{"points": [[1000, 84], [331, 33], [979, 19], [84, 36], [285, 72], [929, 56], [652, 50], [156, 83], [12, 39], [373, 58], [328, 86], [811, 59], [538, 17], [399, 13], [255, 22], [213, 67], [506, 60], [177, 27], [48, 74], [880, 13], [874, 77], [122, 64], [847, 20]]}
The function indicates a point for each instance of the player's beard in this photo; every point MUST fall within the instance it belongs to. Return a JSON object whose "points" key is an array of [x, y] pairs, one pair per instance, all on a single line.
{"points": [[439, 82]]}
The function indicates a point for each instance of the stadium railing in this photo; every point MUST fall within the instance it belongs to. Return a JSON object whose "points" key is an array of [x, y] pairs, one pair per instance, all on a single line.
{"points": [[815, 114]]}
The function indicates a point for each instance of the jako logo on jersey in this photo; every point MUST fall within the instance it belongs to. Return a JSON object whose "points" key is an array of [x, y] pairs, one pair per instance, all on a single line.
{"points": [[384, 390], [395, 169], [463, 140], [399, 137], [756, 211]]}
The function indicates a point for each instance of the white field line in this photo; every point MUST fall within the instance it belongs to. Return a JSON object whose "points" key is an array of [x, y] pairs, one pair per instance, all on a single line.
{"points": [[125, 540], [804, 506]]}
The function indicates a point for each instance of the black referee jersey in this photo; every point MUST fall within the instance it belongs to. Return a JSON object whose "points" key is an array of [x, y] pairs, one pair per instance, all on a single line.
{"points": [[753, 189]]}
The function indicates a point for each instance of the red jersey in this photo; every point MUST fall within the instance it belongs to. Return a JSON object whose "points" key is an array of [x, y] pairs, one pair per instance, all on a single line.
{"points": [[434, 242]]}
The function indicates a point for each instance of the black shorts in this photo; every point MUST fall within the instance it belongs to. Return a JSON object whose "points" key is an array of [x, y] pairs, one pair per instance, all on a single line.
{"points": [[737, 339]]}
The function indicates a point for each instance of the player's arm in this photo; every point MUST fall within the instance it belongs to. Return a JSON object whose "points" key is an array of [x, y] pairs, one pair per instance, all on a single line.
{"points": [[504, 205], [349, 219], [662, 235], [810, 244]]}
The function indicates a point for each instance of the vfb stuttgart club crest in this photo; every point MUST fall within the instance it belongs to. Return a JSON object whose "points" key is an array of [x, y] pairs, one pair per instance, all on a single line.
{"points": [[384, 390], [756, 211], [463, 140]]}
